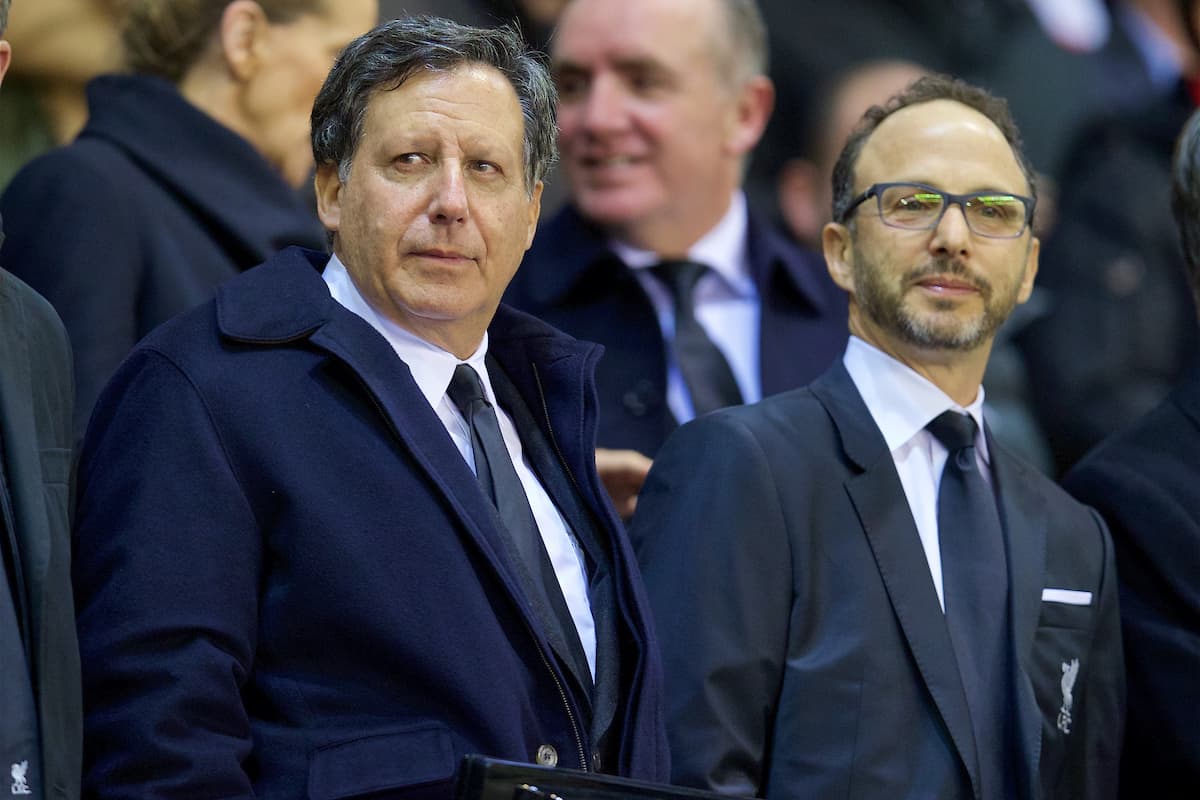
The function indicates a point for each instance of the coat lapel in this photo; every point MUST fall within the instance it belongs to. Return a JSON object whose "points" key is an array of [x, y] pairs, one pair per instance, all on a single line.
{"points": [[250, 309], [1023, 516], [887, 521]]}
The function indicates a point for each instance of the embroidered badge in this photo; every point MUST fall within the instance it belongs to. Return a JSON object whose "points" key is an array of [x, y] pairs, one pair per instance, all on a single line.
{"points": [[1070, 671], [20, 784]]}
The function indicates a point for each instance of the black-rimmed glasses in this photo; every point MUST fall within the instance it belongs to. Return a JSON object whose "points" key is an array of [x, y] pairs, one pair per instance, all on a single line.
{"points": [[918, 207]]}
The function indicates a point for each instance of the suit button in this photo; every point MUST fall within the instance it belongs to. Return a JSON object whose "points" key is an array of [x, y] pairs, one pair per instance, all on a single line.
{"points": [[595, 761], [547, 756]]}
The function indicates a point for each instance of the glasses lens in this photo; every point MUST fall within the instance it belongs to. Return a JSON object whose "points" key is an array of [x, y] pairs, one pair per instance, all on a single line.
{"points": [[996, 214], [910, 206]]}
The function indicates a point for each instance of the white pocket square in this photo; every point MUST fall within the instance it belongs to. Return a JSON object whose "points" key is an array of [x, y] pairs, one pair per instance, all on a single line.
{"points": [[1072, 597]]}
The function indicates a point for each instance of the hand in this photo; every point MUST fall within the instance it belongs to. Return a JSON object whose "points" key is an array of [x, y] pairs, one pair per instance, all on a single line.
{"points": [[623, 473]]}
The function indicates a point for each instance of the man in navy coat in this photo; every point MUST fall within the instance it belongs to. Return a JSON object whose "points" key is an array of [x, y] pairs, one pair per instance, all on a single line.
{"points": [[900, 613], [1143, 479], [660, 104], [291, 583]]}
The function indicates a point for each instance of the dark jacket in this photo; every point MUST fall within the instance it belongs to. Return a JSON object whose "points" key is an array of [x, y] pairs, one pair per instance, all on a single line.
{"points": [[290, 583], [572, 280], [823, 667], [1144, 480], [35, 427], [1119, 326], [140, 218]]}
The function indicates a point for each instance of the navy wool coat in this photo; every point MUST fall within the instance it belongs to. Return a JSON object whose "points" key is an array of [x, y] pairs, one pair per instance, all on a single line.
{"points": [[289, 581]]}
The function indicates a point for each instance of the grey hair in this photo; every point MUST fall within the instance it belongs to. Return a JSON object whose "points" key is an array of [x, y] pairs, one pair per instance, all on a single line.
{"points": [[384, 58], [4, 4], [924, 90], [746, 39], [1185, 197]]}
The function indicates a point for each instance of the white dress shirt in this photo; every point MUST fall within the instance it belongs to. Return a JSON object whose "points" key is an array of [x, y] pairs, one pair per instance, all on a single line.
{"points": [[726, 303], [902, 403], [432, 368]]}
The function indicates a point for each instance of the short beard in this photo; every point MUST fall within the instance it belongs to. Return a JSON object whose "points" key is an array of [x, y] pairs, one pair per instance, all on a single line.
{"points": [[885, 306]]}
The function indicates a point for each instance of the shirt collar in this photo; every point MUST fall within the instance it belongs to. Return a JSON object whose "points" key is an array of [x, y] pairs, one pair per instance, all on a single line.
{"points": [[902, 402], [723, 248], [431, 366]]}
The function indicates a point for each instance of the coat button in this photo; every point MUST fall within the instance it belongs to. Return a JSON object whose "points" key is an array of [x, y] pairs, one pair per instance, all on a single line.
{"points": [[547, 756], [595, 761]]}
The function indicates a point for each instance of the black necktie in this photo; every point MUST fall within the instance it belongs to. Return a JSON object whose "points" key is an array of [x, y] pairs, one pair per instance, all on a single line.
{"points": [[494, 467], [975, 588], [709, 380], [496, 474]]}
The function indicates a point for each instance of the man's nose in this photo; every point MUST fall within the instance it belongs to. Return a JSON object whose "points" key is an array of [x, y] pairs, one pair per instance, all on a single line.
{"points": [[952, 235], [603, 107], [449, 201]]}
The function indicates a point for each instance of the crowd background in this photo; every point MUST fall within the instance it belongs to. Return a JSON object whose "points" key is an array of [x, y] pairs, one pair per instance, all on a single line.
{"points": [[1100, 88]]}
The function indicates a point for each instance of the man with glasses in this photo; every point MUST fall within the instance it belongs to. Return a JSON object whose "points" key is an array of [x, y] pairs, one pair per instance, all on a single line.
{"points": [[859, 593]]}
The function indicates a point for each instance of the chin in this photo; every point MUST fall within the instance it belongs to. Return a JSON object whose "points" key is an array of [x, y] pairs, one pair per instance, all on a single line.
{"points": [[614, 207]]}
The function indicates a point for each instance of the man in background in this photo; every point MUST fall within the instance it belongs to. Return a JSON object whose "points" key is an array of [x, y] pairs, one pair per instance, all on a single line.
{"points": [[40, 735], [698, 302]]}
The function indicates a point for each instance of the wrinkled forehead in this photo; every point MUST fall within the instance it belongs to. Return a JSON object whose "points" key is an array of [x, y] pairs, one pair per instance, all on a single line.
{"points": [[942, 143]]}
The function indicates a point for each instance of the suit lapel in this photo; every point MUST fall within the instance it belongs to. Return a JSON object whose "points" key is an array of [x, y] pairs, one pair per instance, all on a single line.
{"points": [[1023, 516], [887, 521]]}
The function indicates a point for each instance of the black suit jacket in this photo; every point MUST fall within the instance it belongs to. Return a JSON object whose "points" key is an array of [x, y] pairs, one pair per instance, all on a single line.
{"points": [[571, 279], [35, 425], [805, 651], [1144, 482]]}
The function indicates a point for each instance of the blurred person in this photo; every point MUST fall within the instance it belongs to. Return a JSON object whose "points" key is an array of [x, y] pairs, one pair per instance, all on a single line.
{"points": [[341, 525], [1143, 481], [905, 608], [698, 302], [1119, 328], [40, 722], [185, 174], [66, 43]]}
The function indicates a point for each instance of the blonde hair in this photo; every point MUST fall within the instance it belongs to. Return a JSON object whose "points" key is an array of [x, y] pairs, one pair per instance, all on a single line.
{"points": [[166, 37]]}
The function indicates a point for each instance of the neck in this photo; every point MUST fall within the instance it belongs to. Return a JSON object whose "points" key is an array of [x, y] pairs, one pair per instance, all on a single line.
{"points": [[958, 373]]}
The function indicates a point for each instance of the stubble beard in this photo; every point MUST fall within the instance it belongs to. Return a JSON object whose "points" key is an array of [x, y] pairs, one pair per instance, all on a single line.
{"points": [[889, 308]]}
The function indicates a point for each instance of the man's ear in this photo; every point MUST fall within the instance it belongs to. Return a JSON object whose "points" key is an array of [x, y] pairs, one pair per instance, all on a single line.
{"points": [[1031, 269], [755, 101], [535, 212], [5, 56], [328, 186], [799, 179], [838, 246], [243, 35]]}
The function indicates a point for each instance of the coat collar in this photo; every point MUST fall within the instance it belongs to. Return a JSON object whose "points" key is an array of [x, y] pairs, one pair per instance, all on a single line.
{"points": [[580, 254], [285, 300], [199, 159]]}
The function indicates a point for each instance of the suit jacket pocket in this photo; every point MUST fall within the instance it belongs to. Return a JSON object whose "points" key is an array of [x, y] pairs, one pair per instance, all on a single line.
{"points": [[396, 761], [1066, 615]]}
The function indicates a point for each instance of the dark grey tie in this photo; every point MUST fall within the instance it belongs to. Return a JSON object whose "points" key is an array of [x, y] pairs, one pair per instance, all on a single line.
{"points": [[498, 478], [709, 379], [975, 588]]}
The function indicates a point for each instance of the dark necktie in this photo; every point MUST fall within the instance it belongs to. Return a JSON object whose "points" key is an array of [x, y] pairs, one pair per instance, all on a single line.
{"points": [[975, 588], [709, 379], [498, 478]]}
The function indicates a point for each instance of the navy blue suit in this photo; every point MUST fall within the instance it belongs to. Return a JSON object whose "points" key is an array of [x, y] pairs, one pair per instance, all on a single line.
{"points": [[805, 652], [1143, 480], [140, 218], [290, 583], [572, 280]]}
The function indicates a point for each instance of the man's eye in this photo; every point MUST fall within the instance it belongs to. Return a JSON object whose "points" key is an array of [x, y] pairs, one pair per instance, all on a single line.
{"points": [[485, 167], [570, 86], [919, 202], [997, 207], [406, 159]]}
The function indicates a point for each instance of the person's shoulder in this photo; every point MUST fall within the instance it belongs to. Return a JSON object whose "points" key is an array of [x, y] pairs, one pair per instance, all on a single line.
{"points": [[39, 319]]}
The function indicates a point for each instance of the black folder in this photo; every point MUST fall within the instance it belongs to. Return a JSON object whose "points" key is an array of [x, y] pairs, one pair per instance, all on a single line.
{"points": [[482, 778]]}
